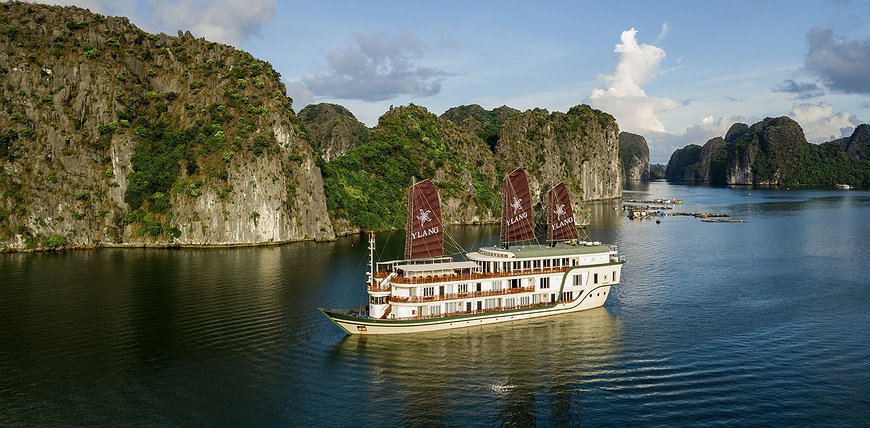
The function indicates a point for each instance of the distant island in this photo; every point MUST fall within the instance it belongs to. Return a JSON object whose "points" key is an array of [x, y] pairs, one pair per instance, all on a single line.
{"points": [[774, 152]]}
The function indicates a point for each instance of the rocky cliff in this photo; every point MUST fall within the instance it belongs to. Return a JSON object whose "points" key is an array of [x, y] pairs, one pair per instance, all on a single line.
{"points": [[333, 129], [110, 135], [485, 123], [699, 164], [775, 152], [365, 187], [769, 152], [858, 144], [580, 147], [634, 155], [683, 164]]}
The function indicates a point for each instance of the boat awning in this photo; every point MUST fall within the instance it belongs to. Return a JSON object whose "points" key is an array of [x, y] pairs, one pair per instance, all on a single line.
{"points": [[437, 267]]}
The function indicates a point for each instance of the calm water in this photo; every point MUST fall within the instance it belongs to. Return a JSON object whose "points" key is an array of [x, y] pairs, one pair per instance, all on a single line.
{"points": [[759, 323]]}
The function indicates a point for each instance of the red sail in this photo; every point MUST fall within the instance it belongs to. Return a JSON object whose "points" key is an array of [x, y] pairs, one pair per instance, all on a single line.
{"points": [[560, 215], [516, 209], [425, 236]]}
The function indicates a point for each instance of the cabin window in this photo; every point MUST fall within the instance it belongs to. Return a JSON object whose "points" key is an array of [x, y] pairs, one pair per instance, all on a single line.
{"points": [[577, 279], [496, 285], [490, 303], [515, 283], [545, 283], [547, 263], [527, 264], [565, 262], [428, 291], [536, 264], [479, 286], [451, 307], [510, 302], [463, 288], [435, 310], [479, 305], [595, 279], [614, 276], [524, 301], [568, 295], [536, 298], [441, 290]]}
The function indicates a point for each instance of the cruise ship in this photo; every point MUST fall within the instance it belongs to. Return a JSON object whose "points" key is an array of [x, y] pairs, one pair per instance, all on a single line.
{"points": [[516, 280]]}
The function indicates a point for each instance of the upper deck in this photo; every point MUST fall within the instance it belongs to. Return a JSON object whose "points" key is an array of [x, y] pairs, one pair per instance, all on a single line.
{"points": [[540, 251], [489, 262]]}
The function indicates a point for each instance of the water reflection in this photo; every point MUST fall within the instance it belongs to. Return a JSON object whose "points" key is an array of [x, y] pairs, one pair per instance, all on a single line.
{"points": [[520, 373]]}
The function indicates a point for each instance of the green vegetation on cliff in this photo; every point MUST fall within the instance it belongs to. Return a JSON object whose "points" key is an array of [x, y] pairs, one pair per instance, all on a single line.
{"points": [[367, 186], [138, 123], [486, 123], [333, 129]]}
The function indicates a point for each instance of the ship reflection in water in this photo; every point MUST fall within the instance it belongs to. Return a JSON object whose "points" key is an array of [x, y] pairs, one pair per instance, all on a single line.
{"points": [[524, 373]]}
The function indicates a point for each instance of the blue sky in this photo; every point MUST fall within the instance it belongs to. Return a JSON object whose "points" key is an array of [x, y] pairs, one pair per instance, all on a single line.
{"points": [[676, 72]]}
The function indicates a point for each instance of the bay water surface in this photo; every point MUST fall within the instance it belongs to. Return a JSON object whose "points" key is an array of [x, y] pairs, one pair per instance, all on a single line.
{"points": [[763, 323]]}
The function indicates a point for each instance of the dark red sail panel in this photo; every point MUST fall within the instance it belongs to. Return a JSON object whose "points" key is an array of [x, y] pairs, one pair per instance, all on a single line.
{"points": [[425, 236], [516, 209], [560, 215]]}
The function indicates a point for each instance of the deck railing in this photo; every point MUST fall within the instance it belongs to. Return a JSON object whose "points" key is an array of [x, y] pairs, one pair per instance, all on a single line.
{"points": [[452, 296], [470, 276]]}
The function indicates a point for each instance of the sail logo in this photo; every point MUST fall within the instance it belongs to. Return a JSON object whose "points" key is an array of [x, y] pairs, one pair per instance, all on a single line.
{"points": [[517, 204], [424, 216], [560, 210]]}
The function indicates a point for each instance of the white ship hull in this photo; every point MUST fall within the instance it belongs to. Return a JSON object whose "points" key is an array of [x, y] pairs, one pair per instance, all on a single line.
{"points": [[359, 325]]}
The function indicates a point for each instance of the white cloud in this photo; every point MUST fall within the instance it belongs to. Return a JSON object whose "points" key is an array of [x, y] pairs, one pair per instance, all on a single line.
{"points": [[377, 67], [300, 95], [623, 96], [821, 124], [225, 21], [666, 29]]}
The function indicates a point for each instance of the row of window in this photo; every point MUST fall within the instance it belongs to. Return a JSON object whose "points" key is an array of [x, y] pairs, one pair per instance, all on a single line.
{"points": [[494, 303], [543, 283]]}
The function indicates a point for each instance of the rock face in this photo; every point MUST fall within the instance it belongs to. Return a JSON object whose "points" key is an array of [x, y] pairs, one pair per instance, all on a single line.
{"points": [[580, 147], [858, 145], [634, 155], [769, 152], [110, 135], [699, 164], [713, 161], [333, 129], [683, 165], [365, 187]]}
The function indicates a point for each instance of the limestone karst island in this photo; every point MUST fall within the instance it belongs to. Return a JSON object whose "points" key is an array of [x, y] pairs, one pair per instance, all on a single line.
{"points": [[112, 136]]}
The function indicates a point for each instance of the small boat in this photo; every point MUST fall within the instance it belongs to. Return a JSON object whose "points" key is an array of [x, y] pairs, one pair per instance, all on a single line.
{"points": [[516, 280]]}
